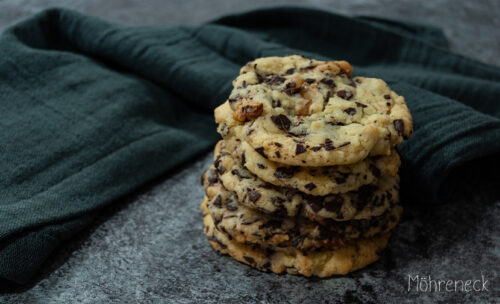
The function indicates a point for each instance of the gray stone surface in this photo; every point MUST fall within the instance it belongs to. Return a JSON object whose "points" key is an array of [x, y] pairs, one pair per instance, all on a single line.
{"points": [[149, 247]]}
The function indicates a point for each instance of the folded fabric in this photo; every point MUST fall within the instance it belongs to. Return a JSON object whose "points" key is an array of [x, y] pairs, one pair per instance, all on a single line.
{"points": [[90, 110]]}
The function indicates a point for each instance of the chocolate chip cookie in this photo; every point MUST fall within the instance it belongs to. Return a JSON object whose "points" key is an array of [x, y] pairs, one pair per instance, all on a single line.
{"points": [[249, 226], [318, 180], [305, 112], [321, 263], [369, 201]]}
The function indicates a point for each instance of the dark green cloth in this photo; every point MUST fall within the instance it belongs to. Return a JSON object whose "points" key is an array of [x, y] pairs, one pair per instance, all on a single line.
{"points": [[90, 110]]}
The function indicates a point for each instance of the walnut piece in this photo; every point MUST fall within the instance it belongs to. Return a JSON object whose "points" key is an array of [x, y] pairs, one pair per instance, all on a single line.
{"points": [[248, 111]]}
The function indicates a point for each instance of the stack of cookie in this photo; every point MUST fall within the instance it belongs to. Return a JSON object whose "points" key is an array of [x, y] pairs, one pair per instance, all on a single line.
{"points": [[306, 178]]}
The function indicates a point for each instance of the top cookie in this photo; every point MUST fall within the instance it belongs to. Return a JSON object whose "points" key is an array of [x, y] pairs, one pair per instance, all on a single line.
{"points": [[306, 112]]}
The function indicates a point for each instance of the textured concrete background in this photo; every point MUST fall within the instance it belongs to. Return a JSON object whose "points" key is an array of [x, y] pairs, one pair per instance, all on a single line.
{"points": [[149, 247]]}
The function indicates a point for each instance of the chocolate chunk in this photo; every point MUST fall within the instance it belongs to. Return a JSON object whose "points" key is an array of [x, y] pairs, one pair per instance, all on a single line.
{"points": [[399, 126], [261, 166], [260, 150], [276, 103], [350, 111], [351, 83], [316, 148], [277, 144], [315, 202], [278, 154], [361, 105], [290, 71], [266, 265], [249, 259], [309, 80], [244, 84], [387, 96], [310, 186], [220, 168], [243, 159], [253, 195], [328, 82], [274, 80], [344, 144], [335, 204], [218, 201], [282, 122], [327, 97], [291, 88], [357, 80], [328, 145], [299, 149], [212, 177], [344, 94], [284, 172]]}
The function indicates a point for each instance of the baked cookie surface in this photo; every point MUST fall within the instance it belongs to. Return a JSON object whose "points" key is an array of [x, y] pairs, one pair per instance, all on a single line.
{"points": [[321, 263], [304, 112], [250, 226], [368, 201], [318, 181]]}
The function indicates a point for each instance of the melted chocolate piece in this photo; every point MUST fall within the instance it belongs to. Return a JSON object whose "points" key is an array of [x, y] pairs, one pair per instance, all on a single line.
{"points": [[334, 205], [328, 82], [276, 103], [218, 201], [282, 122], [291, 88], [328, 145], [260, 150], [399, 126], [212, 177], [344, 144], [387, 96], [274, 80], [253, 195], [284, 172], [350, 111], [290, 71], [315, 202], [299, 149], [310, 186], [344, 94]]}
